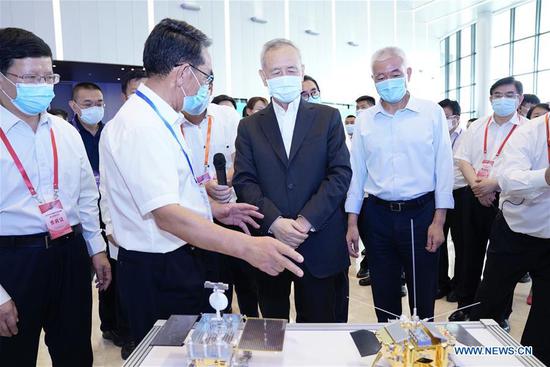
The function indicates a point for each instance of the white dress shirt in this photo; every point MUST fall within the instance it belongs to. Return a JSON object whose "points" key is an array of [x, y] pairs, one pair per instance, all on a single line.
{"points": [[401, 156], [19, 213], [287, 121], [471, 147], [143, 169], [524, 163], [456, 139], [225, 121]]}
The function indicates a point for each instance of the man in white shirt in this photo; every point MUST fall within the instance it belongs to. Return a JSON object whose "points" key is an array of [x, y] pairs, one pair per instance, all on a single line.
{"points": [[520, 237], [161, 216], [401, 157], [479, 160], [49, 223], [453, 221], [214, 131]]}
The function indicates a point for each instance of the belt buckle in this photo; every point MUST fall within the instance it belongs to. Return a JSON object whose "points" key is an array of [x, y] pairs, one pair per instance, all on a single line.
{"points": [[396, 207]]}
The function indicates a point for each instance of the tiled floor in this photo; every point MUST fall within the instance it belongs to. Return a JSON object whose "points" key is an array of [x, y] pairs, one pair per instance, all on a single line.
{"points": [[360, 311]]}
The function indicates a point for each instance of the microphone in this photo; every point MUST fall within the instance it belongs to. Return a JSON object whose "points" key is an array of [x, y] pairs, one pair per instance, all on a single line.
{"points": [[219, 164]]}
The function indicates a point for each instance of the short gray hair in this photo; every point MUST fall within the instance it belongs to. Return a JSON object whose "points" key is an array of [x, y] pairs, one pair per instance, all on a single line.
{"points": [[277, 43], [387, 52]]}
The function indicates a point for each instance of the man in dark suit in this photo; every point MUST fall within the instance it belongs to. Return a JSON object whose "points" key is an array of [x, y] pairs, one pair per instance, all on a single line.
{"points": [[292, 162]]}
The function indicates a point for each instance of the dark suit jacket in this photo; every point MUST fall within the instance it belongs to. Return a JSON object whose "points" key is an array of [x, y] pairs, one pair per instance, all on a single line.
{"points": [[312, 182]]}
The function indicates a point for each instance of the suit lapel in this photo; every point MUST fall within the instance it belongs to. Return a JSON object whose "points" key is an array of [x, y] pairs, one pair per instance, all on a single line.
{"points": [[270, 127], [304, 121]]}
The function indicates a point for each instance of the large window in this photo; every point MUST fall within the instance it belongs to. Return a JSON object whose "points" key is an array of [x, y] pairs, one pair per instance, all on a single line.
{"points": [[458, 68], [521, 46]]}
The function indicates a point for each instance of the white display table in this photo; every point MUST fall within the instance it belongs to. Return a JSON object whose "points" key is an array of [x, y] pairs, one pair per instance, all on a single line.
{"points": [[331, 345]]}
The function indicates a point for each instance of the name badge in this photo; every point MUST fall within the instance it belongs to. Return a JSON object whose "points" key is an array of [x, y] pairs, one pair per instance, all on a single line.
{"points": [[203, 179], [56, 219], [485, 170]]}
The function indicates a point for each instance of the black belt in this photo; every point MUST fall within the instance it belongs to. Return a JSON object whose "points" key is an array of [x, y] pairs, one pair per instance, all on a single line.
{"points": [[399, 206], [39, 239]]}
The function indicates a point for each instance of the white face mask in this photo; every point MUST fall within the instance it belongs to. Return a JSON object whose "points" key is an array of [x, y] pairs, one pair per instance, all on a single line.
{"points": [[451, 123], [92, 115], [286, 88]]}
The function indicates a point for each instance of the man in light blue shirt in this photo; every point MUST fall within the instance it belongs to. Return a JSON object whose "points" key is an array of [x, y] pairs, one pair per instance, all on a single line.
{"points": [[401, 157]]}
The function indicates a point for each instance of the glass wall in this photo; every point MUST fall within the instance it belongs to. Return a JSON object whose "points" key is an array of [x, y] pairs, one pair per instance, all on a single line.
{"points": [[521, 46], [458, 58]]}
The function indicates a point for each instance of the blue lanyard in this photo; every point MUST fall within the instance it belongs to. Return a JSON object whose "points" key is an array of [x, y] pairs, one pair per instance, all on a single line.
{"points": [[169, 127]]}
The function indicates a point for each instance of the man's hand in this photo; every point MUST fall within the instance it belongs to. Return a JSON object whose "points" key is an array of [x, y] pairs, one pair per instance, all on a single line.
{"points": [[484, 186], [547, 176], [237, 214], [220, 193], [436, 237], [8, 319], [352, 239], [304, 223], [289, 232], [487, 200], [102, 268], [272, 257]]}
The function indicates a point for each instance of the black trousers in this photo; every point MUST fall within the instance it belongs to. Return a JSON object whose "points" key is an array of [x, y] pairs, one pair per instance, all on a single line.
{"points": [[51, 288], [242, 276], [316, 299], [154, 286], [509, 256], [453, 223], [477, 221], [111, 314], [387, 237]]}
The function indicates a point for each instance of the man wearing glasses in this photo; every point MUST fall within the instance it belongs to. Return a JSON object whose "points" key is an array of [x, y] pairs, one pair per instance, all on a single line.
{"points": [[49, 225], [159, 209], [479, 159]]}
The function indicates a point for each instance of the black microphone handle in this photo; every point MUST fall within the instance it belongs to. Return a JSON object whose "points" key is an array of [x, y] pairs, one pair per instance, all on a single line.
{"points": [[222, 177]]}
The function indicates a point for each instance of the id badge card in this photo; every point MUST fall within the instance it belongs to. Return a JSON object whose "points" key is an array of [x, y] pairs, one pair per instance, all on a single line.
{"points": [[203, 179], [485, 170], [56, 219]]}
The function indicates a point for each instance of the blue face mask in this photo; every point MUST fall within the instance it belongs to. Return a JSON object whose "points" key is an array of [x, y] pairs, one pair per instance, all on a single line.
{"points": [[92, 115], [392, 90], [195, 105], [286, 88], [32, 99], [504, 106], [316, 100]]}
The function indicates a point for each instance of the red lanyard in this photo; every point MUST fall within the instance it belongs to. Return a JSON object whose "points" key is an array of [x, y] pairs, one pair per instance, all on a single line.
{"points": [[548, 136], [19, 165], [503, 143], [208, 135]]}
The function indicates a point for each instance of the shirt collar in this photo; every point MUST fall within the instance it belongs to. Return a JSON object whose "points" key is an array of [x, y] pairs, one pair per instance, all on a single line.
{"points": [[412, 105], [456, 133], [80, 127], [9, 120], [516, 120], [166, 111], [204, 120], [292, 106]]}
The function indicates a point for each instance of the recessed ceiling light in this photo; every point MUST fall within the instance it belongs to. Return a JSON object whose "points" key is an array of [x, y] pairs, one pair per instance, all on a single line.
{"points": [[121, 68], [258, 20], [312, 32]]}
